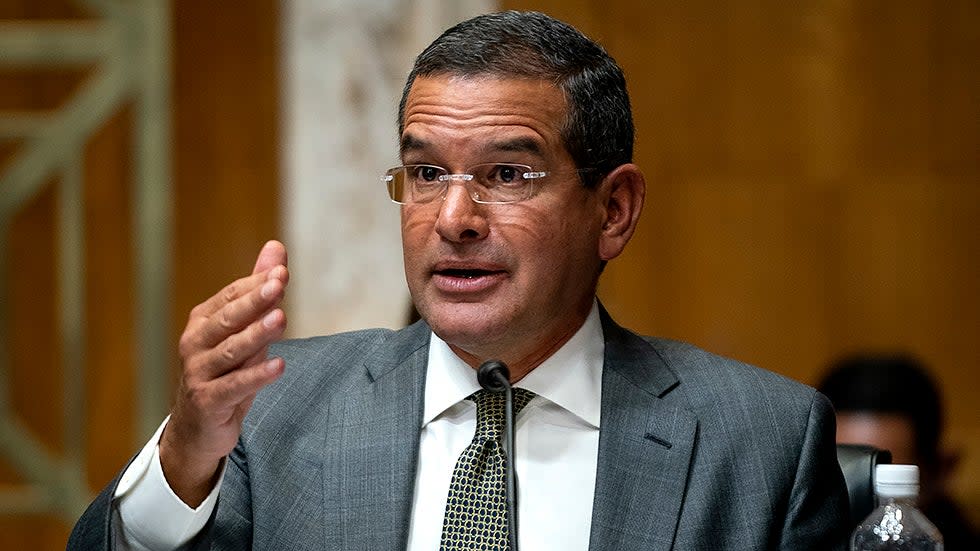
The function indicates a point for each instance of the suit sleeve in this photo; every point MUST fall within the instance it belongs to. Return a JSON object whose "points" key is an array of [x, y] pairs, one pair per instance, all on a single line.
{"points": [[137, 510], [93, 530], [817, 517]]}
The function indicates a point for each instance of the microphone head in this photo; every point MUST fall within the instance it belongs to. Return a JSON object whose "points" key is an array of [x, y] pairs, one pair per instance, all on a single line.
{"points": [[493, 375]]}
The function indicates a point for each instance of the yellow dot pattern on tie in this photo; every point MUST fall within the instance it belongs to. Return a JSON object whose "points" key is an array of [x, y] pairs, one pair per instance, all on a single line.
{"points": [[476, 507]]}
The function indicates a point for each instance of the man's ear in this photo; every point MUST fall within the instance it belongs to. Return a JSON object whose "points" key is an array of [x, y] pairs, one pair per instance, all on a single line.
{"points": [[621, 192]]}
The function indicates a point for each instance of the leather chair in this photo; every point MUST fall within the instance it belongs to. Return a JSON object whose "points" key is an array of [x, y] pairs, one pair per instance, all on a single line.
{"points": [[857, 462]]}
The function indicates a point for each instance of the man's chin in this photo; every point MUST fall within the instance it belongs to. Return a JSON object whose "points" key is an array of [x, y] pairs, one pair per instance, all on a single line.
{"points": [[469, 329]]}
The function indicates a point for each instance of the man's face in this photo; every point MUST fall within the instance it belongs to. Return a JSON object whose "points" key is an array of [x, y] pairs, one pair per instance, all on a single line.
{"points": [[510, 281], [884, 431]]}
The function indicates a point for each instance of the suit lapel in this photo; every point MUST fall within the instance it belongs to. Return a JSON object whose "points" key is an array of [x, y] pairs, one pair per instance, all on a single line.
{"points": [[645, 447], [372, 440]]}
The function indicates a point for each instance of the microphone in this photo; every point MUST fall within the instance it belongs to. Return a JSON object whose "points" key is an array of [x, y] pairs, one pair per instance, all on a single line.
{"points": [[494, 376]]}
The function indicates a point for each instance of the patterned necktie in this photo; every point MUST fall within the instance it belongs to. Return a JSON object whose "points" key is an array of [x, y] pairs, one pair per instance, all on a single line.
{"points": [[476, 509]]}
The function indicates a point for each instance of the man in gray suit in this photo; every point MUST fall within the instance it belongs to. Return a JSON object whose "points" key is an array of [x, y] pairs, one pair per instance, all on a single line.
{"points": [[517, 186]]}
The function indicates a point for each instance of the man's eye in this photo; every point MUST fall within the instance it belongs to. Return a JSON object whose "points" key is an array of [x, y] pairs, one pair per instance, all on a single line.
{"points": [[504, 174], [427, 173]]}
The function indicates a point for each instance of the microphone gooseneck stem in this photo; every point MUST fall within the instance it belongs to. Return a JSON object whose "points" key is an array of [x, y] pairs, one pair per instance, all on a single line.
{"points": [[510, 472], [494, 376]]}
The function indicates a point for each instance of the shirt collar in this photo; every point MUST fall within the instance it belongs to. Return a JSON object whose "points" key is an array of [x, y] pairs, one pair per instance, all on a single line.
{"points": [[571, 378]]}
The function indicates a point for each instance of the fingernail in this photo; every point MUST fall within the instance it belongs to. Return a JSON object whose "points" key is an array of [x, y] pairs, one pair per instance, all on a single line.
{"points": [[269, 321], [272, 365], [268, 289]]}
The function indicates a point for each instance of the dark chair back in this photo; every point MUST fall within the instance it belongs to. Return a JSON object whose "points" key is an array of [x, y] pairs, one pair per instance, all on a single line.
{"points": [[857, 462]]}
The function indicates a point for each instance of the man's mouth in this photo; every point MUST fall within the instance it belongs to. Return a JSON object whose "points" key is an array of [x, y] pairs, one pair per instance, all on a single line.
{"points": [[467, 280], [464, 273]]}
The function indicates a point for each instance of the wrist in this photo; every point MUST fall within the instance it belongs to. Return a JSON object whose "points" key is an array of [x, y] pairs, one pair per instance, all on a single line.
{"points": [[191, 476]]}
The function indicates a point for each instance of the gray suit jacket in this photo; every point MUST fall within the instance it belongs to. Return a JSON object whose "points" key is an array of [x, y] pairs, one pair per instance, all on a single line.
{"points": [[695, 452]]}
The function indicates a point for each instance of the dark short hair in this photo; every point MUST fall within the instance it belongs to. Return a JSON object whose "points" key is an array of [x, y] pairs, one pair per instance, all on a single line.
{"points": [[598, 131], [891, 383]]}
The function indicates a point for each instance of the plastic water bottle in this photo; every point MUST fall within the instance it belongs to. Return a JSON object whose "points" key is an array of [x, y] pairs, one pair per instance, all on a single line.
{"points": [[896, 523]]}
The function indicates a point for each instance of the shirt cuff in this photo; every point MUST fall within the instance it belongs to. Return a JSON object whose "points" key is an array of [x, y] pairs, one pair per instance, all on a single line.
{"points": [[151, 514]]}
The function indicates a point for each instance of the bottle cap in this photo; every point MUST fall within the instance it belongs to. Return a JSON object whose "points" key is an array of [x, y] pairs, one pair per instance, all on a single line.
{"points": [[897, 480]]}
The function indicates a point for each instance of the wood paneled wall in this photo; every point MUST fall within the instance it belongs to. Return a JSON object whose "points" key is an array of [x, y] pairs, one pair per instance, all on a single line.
{"points": [[813, 180], [226, 179], [226, 117]]}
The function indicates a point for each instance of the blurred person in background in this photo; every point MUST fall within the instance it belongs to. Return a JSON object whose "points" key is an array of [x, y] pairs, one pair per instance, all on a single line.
{"points": [[891, 402]]}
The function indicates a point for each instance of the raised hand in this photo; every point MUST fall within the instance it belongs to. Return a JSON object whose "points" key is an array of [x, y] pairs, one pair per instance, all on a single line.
{"points": [[223, 352]]}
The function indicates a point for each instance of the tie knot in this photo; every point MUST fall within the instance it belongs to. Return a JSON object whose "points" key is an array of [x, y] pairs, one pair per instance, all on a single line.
{"points": [[490, 410]]}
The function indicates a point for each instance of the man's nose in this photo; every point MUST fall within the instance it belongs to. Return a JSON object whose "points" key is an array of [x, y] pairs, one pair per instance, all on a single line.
{"points": [[461, 218]]}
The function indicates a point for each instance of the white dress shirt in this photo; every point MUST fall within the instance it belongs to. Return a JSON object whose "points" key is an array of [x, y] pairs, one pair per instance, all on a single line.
{"points": [[556, 441]]}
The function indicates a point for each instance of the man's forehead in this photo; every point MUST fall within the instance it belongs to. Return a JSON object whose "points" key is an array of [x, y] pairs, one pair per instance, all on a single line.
{"points": [[480, 91], [490, 112]]}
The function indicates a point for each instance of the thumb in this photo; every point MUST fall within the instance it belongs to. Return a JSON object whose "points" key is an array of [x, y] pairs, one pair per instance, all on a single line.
{"points": [[273, 254]]}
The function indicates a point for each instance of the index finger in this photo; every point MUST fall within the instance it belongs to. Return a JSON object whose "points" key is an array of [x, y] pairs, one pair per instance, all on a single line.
{"points": [[273, 254], [238, 289]]}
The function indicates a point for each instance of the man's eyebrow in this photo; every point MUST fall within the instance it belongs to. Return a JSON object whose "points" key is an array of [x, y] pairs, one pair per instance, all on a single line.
{"points": [[519, 145], [411, 143]]}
